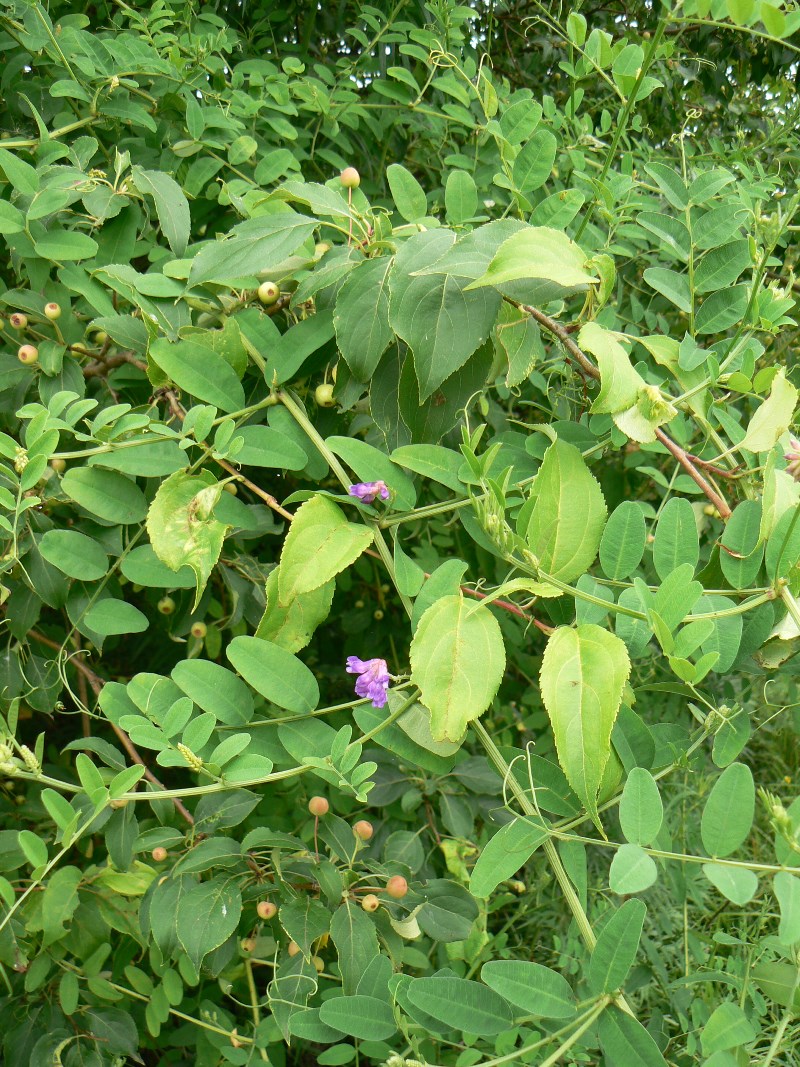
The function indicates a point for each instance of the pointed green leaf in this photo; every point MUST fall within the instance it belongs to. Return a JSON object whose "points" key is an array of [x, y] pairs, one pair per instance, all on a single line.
{"points": [[583, 676], [320, 543], [182, 527], [616, 947], [563, 538], [457, 660]]}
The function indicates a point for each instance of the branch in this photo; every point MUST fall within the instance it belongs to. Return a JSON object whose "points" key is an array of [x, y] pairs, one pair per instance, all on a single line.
{"points": [[97, 683], [681, 455], [178, 411]]}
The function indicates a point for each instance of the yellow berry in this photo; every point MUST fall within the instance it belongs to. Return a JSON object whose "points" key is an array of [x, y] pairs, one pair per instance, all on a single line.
{"points": [[323, 395], [268, 293], [350, 178], [166, 605], [370, 902], [293, 948], [28, 354], [18, 320], [52, 311], [159, 854], [199, 630]]}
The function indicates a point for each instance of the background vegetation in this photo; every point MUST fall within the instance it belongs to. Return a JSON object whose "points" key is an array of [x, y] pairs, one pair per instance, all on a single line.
{"points": [[553, 314]]}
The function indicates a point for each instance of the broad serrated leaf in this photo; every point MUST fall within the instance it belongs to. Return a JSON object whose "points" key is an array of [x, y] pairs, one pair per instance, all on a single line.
{"points": [[361, 318], [457, 660], [435, 314], [563, 538], [291, 626], [253, 247], [774, 417], [619, 382], [320, 543], [182, 527], [537, 264], [206, 917], [583, 676]]}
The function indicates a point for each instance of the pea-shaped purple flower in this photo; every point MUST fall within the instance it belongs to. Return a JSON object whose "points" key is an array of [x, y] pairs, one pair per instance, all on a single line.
{"points": [[373, 680], [792, 458], [368, 492]]}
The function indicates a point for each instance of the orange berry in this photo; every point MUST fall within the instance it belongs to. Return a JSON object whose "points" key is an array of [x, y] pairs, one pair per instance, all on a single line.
{"points": [[293, 948], [397, 887], [363, 830], [266, 909], [318, 806], [159, 854]]}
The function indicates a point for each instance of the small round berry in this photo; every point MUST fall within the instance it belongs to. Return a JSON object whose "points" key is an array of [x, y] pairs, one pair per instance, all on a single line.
{"points": [[159, 853], [230, 487], [199, 630], [266, 909], [323, 395], [359, 604], [350, 178], [28, 354], [58, 464], [318, 806], [363, 830], [18, 320], [293, 948], [52, 311], [166, 605], [249, 944], [377, 615], [370, 902], [397, 887], [268, 293], [99, 337], [319, 964]]}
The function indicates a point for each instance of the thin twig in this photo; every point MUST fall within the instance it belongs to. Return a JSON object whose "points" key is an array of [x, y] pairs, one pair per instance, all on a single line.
{"points": [[97, 683], [681, 455], [178, 411]]}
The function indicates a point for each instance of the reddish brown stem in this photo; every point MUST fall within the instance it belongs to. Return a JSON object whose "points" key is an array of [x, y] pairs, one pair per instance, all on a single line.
{"points": [[177, 410], [561, 333], [97, 683]]}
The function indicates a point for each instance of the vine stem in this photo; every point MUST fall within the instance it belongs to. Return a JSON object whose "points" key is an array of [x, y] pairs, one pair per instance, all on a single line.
{"points": [[346, 481], [97, 683], [681, 455], [251, 985], [550, 850]]}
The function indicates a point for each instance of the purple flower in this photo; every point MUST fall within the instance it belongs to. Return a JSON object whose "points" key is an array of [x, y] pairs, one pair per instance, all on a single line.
{"points": [[374, 678], [368, 491], [792, 458]]}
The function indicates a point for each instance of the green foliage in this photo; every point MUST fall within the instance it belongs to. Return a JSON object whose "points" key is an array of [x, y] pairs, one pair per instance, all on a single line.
{"points": [[499, 429]]}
